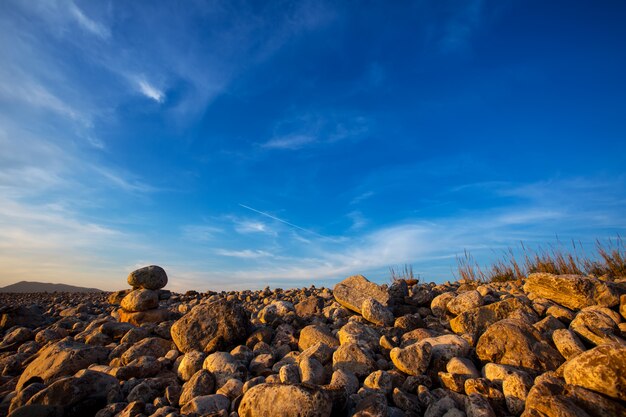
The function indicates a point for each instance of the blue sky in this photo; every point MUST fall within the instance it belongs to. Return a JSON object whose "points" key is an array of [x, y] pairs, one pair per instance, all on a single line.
{"points": [[242, 144]]}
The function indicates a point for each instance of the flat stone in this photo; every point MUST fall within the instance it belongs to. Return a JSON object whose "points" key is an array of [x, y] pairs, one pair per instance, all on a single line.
{"points": [[352, 291], [571, 291], [286, 401]]}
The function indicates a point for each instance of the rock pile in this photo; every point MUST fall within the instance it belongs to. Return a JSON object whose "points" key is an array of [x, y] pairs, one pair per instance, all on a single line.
{"points": [[545, 346], [141, 304]]}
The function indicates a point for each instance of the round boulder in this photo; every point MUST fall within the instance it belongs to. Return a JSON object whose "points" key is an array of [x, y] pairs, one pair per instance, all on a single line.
{"points": [[285, 400], [140, 300], [151, 277]]}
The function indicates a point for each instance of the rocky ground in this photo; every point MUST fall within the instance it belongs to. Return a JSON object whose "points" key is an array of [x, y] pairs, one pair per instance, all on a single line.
{"points": [[548, 346]]}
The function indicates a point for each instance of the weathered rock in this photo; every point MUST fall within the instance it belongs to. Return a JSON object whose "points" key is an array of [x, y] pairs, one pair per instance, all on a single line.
{"points": [[137, 318], [465, 301], [150, 346], [31, 317], [361, 334], [219, 325], [201, 383], [513, 342], [140, 300], [515, 388], [601, 369], [376, 313], [379, 381], [83, 394], [61, 359], [567, 343], [477, 320], [314, 334], [151, 277], [350, 357], [223, 366], [595, 327], [207, 404], [285, 400], [571, 291], [352, 291], [190, 364], [413, 359]]}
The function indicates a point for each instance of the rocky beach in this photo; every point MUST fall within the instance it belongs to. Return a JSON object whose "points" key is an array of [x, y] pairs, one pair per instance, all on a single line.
{"points": [[546, 345]]}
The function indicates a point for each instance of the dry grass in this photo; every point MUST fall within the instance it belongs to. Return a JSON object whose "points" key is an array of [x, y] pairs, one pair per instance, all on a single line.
{"points": [[609, 260], [404, 273]]}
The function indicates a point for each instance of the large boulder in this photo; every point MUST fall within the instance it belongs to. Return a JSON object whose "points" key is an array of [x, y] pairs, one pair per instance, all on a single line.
{"points": [[60, 359], [150, 346], [601, 369], [352, 291], [513, 342], [286, 401], [151, 277], [476, 320], [80, 395], [572, 291], [413, 359], [30, 317], [219, 325]]}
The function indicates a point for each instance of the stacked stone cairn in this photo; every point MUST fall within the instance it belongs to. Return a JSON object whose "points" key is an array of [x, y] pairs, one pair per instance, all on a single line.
{"points": [[141, 304]]}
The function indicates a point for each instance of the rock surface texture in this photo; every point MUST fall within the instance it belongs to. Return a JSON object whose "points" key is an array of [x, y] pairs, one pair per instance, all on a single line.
{"points": [[547, 345]]}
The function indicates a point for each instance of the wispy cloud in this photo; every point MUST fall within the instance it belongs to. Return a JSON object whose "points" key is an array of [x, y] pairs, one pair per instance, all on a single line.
{"points": [[262, 213], [291, 142], [88, 24], [150, 91], [249, 226], [244, 254], [361, 197]]}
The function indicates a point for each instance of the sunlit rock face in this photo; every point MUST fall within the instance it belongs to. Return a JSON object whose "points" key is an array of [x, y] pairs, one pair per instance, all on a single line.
{"points": [[407, 349]]}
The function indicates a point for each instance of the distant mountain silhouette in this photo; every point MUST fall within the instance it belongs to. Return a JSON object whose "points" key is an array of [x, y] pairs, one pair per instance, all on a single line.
{"points": [[30, 286]]}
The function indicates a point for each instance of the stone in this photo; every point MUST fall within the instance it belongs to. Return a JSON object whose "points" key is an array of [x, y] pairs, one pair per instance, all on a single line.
{"points": [[201, 383], [347, 380], [515, 388], [567, 343], [595, 327], [546, 399], [447, 346], [232, 389], [462, 366], [150, 346], [31, 317], [286, 401], [140, 300], [60, 359], [223, 366], [83, 394], [572, 291], [439, 304], [313, 334], [475, 321], [137, 318], [310, 307], [350, 357], [151, 277], [311, 371], [465, 301], [275, 311], [219, 325], [413, 359], [190, 364], [376, 313], [206, 404], [115, 298], [352, 291], [359, 333], [477, 406], [601, 369], [289, 374], [379, 381], [513, 342]]}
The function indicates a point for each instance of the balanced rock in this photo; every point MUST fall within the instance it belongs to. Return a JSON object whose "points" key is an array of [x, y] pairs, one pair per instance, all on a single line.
{"points": [[219, 325], [352, 291], [137, 318], [151, 277], [140, 300], [285, 400], [571, 291]]}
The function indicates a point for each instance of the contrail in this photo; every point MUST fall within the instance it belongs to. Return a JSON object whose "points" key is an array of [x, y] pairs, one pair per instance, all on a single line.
{"points": [[283, 221]]}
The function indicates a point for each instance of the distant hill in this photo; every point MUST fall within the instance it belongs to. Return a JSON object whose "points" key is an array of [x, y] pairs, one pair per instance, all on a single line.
{"points": [[30, 286]]}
